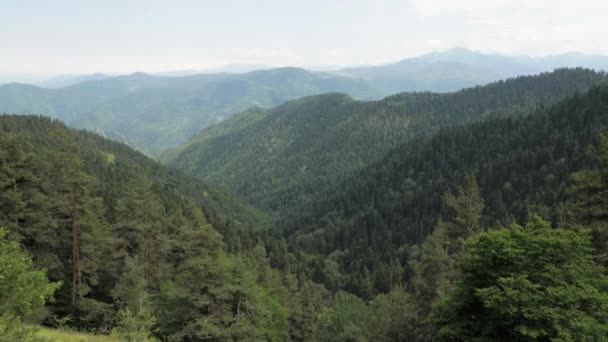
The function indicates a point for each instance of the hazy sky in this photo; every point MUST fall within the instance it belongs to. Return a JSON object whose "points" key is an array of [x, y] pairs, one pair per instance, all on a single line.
{"points": [[121, 36]]}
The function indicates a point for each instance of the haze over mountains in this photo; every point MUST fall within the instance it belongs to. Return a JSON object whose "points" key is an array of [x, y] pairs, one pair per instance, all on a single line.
{"points": [[304, 171], [311, 206], [277, 158], [459, 68], [154, 113]]}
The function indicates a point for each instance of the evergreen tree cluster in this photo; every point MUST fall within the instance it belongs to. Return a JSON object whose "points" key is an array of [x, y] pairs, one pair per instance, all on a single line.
{"points": [[279, 158], [134, 254], [364, 230], [488, 230]]}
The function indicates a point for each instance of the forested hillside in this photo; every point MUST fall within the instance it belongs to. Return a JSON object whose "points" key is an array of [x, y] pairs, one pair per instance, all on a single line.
{"points": [[493, 230], [131, 246], [408, 248], [361, 234], [279, 158], [154, 113]]}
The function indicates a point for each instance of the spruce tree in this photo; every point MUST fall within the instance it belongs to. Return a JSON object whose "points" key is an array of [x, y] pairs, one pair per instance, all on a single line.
{"points": [[591, 197]]}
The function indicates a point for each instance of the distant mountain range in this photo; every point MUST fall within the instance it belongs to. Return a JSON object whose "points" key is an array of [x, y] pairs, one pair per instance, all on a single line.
{"points": [[460, 68], [154, 113], [70, 80]]}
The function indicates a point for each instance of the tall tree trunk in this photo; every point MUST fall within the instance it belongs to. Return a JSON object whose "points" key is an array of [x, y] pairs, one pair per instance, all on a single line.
{"points": [[76, 267]]}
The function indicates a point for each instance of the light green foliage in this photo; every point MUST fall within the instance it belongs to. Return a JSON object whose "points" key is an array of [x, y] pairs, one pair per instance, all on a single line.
{"points": [[110, 157], [531, 283], [466, 208], [388, 317], [62, 335], [434, 273], [348, 319], [22, 291], [134, 327]]}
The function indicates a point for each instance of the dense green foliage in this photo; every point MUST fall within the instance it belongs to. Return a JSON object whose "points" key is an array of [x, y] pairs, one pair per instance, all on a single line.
{"points": [[526, 284], [23, 291], [389, 317], [282, 157], [395, 247], [137, 251], [368, 224], [532, 283], [154, 113], [591, 190]]}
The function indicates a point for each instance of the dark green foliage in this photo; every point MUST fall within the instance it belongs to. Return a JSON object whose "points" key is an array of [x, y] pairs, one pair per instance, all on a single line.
{"points": [[373, 218], [531, 283], [134, 244], [284, 156], [146, 251], [591, 191], [305, 304], [434, 264]]}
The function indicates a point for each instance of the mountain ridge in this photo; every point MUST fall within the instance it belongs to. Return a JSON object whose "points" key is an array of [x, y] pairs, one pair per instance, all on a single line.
{"points": [[162, 112], [279, 156]]}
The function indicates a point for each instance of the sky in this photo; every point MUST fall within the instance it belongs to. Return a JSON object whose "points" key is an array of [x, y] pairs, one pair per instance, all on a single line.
{"points": [[52, 37]]}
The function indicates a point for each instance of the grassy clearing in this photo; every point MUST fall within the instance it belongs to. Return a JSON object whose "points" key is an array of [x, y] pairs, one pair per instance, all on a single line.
{"points": [[57, 335]]}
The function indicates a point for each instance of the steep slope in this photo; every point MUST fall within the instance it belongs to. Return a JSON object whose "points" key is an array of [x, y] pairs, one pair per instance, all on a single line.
{"points": [[279, 157], [129, 241], [367, 224], [455, 69], [94, 149], [155, 113]]}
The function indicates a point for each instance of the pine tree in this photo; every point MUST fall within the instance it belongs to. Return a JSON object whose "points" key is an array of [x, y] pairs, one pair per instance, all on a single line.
{"points": [[140, 229], [135, 317], [15, 173], [434, 274], [80, 226], [464, 213], [24, 206], [591, 196]]}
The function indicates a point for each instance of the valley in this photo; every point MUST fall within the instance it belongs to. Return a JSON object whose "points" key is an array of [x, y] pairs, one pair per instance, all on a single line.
{"points": [[319, 171]]}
